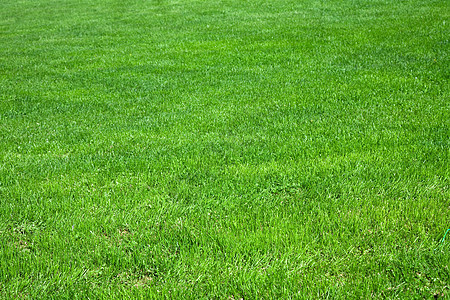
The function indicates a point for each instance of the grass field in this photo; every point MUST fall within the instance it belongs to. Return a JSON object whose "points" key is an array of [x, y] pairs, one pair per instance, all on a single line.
{"points": [[224, 149]]}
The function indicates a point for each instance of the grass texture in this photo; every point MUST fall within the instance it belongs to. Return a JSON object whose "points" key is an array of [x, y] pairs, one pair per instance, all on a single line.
{"points": [[224, 149]]}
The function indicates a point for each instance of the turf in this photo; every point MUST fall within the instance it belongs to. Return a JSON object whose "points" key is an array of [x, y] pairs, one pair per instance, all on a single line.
{"points": [[224, 149]]}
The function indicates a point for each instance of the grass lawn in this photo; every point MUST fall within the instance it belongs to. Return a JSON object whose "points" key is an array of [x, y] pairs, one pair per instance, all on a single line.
{"points": [[224, 149]]}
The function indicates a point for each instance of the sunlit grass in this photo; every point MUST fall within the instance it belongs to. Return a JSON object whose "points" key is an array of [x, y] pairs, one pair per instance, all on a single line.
{"points": [[224, 149]]}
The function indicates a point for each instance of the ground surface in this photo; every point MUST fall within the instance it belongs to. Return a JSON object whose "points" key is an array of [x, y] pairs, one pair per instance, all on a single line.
{"points": [[224, 149]]}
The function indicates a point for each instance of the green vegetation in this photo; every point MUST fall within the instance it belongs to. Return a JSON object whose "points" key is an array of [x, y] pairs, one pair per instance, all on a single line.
{"points": [[224, 149]]}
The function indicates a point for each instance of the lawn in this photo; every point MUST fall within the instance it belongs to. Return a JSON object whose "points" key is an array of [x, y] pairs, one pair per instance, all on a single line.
{"points": [[224, 149]]}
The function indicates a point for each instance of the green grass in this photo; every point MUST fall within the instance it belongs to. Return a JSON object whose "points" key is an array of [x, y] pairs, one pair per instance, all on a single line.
{"points": [[224, 149]]}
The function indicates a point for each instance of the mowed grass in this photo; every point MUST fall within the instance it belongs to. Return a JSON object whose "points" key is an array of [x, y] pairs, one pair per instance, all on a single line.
{"points": [[224, 149]]}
